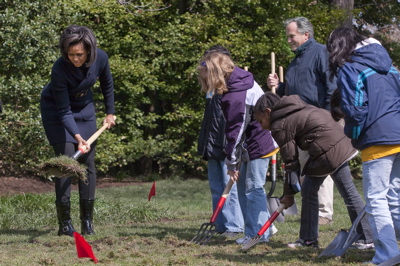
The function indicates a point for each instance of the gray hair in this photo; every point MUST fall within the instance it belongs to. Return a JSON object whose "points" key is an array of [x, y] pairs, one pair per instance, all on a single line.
{"points": [[303, 25]]}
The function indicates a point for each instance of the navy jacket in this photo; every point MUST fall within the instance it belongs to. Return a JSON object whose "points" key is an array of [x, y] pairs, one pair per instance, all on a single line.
{"points": [[370, 90], [211, 141], [308, 75], [67, 106], [242, 131]]}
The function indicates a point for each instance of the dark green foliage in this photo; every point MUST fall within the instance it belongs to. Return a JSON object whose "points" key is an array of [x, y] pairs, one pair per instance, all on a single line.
{"points": [[153, 58]]}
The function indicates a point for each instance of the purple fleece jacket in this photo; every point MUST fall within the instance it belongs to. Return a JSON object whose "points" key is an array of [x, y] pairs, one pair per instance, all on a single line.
{"points": [[242, 131]]}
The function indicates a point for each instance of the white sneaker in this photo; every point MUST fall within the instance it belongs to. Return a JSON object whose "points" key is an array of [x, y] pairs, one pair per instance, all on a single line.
{"points": [[362, 246], [273, 230], [245, 239]]}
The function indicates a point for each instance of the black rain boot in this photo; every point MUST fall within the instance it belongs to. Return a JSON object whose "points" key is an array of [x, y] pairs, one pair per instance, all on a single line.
{"points": [[64, 219], [86, 208]]}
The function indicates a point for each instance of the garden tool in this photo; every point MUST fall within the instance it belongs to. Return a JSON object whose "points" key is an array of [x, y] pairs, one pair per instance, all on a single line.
{"points": [[207, 230], [252, 242], [64, 166], [273, 202], [344, 239], [391, 262]]}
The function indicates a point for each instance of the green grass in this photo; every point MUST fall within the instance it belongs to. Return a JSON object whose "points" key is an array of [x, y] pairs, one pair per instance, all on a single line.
{"points": [[130, 230]]}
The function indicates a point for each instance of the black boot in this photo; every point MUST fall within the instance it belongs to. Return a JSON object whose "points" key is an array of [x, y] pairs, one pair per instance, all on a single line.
{"points": [[64, 219], [86, 207]]}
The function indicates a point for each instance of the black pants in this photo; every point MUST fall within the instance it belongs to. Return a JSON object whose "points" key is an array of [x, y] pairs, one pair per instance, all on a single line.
{"points": [[63, 185]]}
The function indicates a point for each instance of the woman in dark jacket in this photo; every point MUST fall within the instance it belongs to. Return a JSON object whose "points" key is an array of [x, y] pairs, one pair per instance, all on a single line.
{"points": [[68, 116], [293, 123]]}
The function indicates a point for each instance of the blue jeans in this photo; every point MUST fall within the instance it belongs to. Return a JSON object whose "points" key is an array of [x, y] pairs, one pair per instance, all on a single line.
{"points": [[230, 218], [381, 182], [310, 205], [252, 197]]}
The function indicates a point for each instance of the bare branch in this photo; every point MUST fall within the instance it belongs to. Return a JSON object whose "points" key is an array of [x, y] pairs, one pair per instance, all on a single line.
{"points": [[130, 7]]}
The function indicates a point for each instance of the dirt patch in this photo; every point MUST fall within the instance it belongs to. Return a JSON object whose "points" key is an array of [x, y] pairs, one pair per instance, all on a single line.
{"points": [[20, 185]]}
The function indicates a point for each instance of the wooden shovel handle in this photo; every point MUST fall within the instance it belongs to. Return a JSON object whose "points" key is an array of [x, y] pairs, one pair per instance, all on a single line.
{"points": [[92, 139], [273, 89], [221, 201], [97, 134]]}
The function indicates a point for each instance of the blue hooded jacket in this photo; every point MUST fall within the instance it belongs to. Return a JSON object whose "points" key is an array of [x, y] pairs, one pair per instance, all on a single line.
{"points": [[243, 132], [370, 90]]}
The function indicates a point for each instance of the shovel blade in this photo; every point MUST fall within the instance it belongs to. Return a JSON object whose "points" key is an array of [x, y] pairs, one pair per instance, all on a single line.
{"points": [[273, 204], [204, 234], [340, 244], [292, 210], [393, 261]]}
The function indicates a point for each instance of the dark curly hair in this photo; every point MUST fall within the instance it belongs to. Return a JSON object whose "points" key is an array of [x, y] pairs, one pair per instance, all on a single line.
{"points": [[267, 100], [336, 111], [341, 44]]}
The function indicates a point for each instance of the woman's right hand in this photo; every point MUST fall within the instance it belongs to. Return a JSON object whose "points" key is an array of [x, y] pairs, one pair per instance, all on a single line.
{"points": [[273, 80], [82, 144]]}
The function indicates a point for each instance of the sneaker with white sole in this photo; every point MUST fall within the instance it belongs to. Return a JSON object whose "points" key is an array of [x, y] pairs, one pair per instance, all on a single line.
{"points": [[245, 239], [274, 230], [231, 234], [363, 246], [303, 243]]}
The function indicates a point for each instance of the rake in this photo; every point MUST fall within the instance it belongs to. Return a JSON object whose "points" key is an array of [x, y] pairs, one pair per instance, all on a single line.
{"points": [[252, 242], [207, 230]]}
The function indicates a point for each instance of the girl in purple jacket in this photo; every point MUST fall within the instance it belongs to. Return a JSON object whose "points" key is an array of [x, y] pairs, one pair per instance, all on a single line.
{"points": [[248, 145]]}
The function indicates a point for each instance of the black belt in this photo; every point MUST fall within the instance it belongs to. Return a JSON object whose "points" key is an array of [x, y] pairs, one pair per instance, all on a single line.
{"points": [[79, 94]]}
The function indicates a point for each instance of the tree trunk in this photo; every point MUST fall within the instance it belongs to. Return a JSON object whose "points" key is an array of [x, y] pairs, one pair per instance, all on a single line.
{"points": [[348, 5]]}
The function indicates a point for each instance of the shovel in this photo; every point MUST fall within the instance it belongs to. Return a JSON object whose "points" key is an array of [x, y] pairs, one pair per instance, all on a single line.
{"points": [[207, 230], [344, 239], [273, 202], [63, 166], [252, 242], [390, 262]]}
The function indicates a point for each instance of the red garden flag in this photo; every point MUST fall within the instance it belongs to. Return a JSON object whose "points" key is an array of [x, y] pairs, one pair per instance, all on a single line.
{"points": [[152, 191], [83, 248]]}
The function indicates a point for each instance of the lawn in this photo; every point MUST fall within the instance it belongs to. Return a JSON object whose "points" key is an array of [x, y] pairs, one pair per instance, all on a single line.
{"points": [[130, 230]]}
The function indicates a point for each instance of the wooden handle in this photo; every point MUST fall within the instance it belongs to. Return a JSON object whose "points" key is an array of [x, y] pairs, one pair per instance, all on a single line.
{"points": [[273, 69], [97, 134], [83, 150], [221, 201], [227, 189]]}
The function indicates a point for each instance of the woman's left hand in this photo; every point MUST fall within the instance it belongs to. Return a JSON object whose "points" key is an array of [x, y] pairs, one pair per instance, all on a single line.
{"points": [[110, 120]]}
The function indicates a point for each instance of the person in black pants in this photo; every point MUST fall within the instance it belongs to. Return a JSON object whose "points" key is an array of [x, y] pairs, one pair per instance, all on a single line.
{"points": [[69, 119]]}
